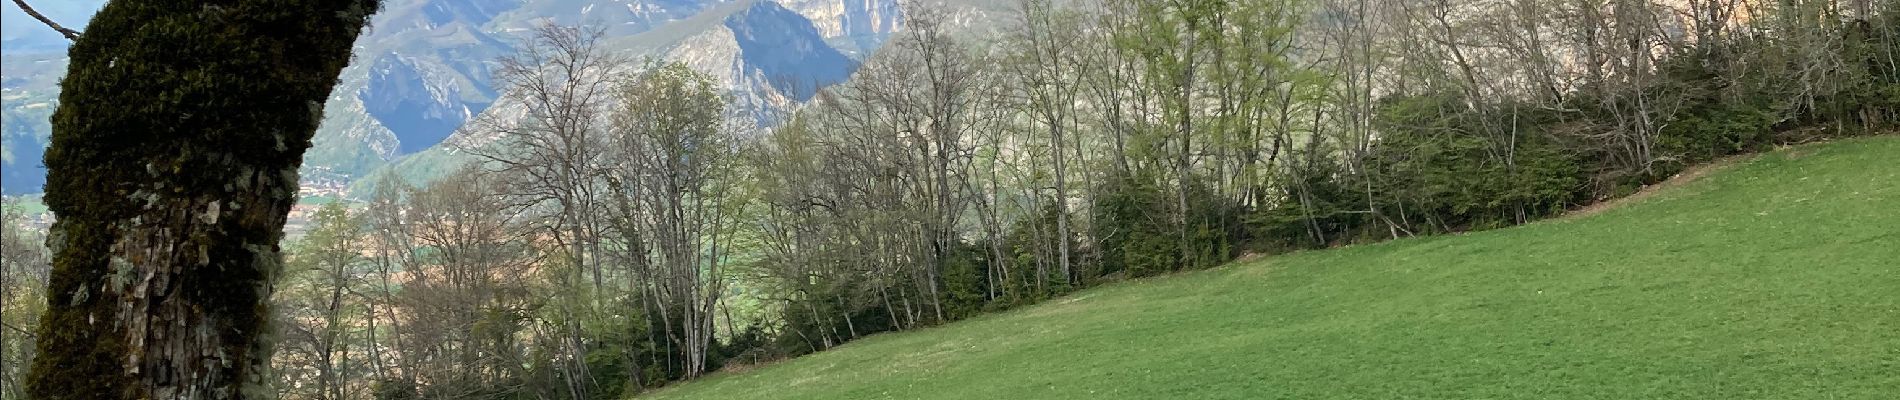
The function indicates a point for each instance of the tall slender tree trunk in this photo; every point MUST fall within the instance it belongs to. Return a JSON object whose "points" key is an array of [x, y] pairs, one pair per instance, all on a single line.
{"points": [[6, 346], [1186, 130], [1062, 200], [848, 325], [173, 163]]}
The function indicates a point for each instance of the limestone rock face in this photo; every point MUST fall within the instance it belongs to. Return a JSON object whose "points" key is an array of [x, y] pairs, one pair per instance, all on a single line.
{"points": [[857, 25]]}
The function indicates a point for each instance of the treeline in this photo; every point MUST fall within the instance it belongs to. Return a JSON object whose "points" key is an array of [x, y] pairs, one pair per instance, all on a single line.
{"points": [[584, 256], [621, 233], [1135, 138], [25, 267]]}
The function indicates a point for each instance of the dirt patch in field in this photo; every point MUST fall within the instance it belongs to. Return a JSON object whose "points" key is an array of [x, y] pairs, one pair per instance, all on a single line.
{"points": [[1690, 174]]}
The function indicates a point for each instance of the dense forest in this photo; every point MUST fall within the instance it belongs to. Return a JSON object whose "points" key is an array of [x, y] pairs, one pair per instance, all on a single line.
{"points": [[625, 233]]}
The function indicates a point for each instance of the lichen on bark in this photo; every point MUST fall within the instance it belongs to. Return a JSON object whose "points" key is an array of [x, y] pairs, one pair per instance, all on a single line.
{"points": [[166, 239]]}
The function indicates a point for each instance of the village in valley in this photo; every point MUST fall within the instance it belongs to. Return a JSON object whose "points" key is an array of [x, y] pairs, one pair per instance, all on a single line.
{"points": [[312, 194]]}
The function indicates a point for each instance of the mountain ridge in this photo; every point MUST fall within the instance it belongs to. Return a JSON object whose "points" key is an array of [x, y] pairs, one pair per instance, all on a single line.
{"points": [[423, 70]]}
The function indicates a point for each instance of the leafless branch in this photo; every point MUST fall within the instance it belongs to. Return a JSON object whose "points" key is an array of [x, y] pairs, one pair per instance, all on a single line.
{"points": [[69, 33], [23, 332]]}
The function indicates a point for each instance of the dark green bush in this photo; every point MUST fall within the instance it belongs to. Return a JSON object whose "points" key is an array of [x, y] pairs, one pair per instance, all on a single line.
{"points": [[1133, 227]]}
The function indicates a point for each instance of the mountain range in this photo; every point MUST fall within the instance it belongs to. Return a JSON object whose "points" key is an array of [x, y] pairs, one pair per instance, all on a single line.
{"points": [[424, 70]]}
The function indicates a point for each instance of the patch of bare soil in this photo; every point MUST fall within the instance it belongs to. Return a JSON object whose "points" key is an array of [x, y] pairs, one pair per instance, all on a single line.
{"points": [[1690, 174], [739, 366]]}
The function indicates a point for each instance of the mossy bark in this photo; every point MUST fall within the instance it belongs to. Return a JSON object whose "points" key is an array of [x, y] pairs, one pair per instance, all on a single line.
{"points": [[180, 128]]}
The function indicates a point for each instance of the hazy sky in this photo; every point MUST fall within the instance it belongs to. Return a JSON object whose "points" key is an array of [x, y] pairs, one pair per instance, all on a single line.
{"points": [[20, 32]]}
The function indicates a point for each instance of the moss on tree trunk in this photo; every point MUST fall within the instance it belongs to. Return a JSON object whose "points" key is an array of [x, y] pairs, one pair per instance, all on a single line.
{"points": [[180, 128]]}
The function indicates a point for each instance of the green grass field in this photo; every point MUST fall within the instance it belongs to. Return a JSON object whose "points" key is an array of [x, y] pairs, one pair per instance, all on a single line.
{"points": [[1778, 278]]}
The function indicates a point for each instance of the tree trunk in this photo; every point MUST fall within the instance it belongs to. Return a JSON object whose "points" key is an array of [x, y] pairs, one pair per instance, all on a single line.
{"points": [[1062, 197], [172, 166]]}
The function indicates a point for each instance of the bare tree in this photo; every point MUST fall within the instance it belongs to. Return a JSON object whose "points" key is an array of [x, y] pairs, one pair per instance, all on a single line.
{"points": [[554, 150], [317, 304], [675, 158], [554, 147], [24, 263], [1052, 70], [928, 87], [391, 243], [467, 298]]}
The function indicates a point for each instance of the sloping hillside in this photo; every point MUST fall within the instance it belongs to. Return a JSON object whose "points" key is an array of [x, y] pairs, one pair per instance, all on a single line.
{"points": [[1778, 278]]}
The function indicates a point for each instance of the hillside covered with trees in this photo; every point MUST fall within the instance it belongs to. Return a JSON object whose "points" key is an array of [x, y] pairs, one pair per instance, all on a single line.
{"points": [[1717, 287], [621, 232]]}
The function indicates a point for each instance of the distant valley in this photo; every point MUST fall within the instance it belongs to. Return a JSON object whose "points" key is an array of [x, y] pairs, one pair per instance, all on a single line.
{"points": [[424, 71]]}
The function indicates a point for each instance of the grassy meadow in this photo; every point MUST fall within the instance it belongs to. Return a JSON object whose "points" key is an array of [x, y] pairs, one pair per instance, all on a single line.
{"points": [[1775, 278]]}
